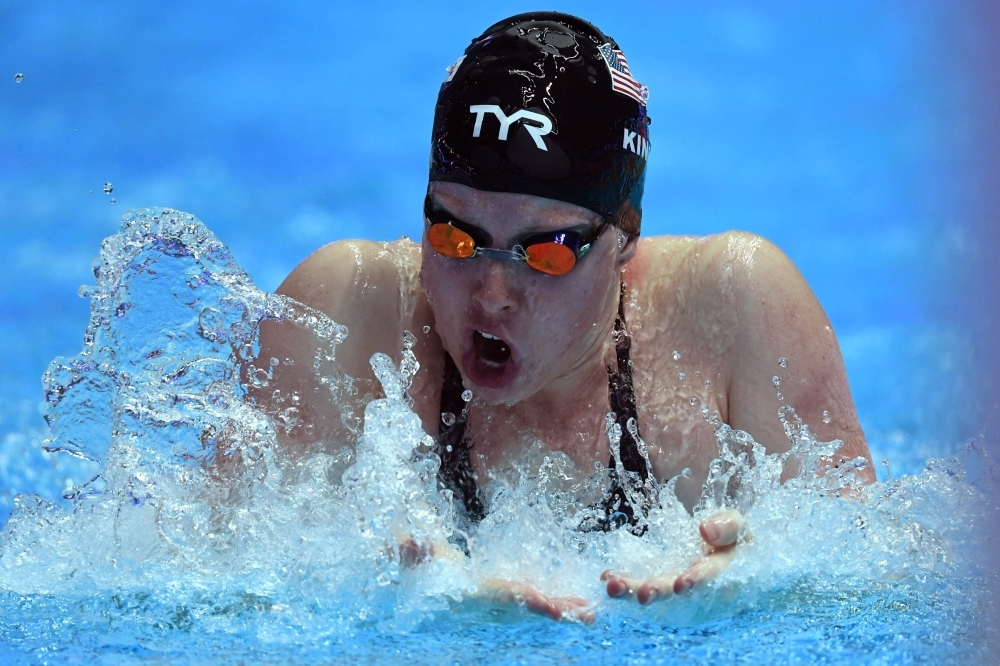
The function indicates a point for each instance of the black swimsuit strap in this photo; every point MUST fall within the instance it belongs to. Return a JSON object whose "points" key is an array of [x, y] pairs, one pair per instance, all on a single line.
{"points": [[454, 448], [621, 396]]}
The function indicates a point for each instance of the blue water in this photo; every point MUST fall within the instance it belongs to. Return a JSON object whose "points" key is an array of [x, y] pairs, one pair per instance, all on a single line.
{"points": [[832, 128]]}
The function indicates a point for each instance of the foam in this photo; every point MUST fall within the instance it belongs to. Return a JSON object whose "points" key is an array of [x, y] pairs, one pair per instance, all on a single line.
{"points": [[197, 508]]}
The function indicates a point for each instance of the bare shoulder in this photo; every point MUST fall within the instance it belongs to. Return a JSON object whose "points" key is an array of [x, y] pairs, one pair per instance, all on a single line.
{"points": [[369, 287], [687, 285], [736, 299], [705, 276], [332, 276]]}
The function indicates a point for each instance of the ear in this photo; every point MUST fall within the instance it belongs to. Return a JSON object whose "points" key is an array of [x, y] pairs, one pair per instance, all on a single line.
{"points": [[627, 249]]}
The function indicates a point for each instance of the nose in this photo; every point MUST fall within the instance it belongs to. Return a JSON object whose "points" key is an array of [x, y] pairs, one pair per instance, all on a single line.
{"points": [[494, 293]]}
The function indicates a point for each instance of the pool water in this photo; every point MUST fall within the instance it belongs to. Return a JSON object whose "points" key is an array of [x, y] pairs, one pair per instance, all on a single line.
{"points": [[163, 557]]}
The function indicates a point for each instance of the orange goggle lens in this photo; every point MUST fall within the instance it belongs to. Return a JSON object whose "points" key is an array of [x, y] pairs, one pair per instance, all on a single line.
{"points": [[451, 241], [551, 258]]}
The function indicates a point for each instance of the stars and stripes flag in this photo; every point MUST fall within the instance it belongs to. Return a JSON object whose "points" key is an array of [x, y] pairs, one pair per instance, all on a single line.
{"points": [[621, 77]]}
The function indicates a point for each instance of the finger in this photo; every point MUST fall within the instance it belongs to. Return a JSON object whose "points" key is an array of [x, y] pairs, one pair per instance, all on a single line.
{"points": [[541, 605], [556, 608], [655, 588], [585, 614], [620, 586], [722, 529], [576, 608], [559, 608], [412, 554], [705, 569]]}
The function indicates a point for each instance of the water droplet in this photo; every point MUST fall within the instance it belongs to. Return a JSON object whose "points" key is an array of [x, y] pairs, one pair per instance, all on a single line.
{"points": [[108, 188], [693, 401], [467, 395], [776, 380], [708, 383], [409, 340], [449, 448], [274, 361], [18, 77], [427, 329], [783, 362], [681, 376], [675, 355], [448, 418], [114, 200], [826, 417]]}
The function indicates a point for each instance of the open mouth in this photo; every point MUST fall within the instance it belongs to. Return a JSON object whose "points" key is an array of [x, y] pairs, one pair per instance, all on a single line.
{"points": [[490, 349], [489, 362]]}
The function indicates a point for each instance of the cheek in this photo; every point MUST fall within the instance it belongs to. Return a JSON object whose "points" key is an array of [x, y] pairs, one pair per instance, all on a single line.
{"points": [[565, 316], [443, 288]]}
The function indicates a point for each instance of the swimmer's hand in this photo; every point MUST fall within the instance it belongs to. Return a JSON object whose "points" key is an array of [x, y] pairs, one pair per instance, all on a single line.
{"points": [[720, 533], [504, 592], [412, 553], [509, 593]]}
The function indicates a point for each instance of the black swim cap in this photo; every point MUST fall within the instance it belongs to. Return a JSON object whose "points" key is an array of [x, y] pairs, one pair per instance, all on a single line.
{"points": [[543, 103]]}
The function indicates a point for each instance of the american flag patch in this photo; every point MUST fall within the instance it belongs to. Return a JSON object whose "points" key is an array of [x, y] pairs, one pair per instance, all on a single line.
{"points": [[621, 77]]}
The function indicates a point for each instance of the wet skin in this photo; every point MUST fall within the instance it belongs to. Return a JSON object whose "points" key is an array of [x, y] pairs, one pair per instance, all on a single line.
{"points": [[709, 318]]}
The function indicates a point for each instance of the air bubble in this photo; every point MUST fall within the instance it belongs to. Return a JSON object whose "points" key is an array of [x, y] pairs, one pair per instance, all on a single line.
{"points": [[427, 329], [783, 362], [676, 355], [108, 188], [826, 417], [18, 77], [448, 419], [693, 401], [466, 395]]}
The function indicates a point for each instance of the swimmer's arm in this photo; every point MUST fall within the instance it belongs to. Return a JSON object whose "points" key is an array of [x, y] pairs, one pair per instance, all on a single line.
{"points": [[780, 317]]}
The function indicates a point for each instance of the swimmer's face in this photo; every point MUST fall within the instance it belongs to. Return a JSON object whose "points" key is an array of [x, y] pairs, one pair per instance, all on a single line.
{"points": [[511, 329]]}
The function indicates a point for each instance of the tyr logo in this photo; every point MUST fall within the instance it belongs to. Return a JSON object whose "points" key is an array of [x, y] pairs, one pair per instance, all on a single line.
{"points": [[536, 131]]}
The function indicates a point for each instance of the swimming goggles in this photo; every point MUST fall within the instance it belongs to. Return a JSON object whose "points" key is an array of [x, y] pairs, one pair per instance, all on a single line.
{"points": [[551, 252]]}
